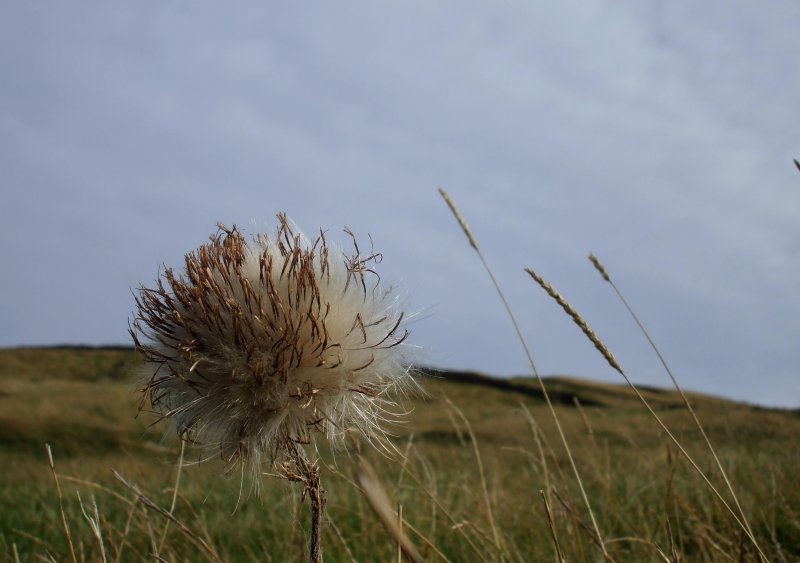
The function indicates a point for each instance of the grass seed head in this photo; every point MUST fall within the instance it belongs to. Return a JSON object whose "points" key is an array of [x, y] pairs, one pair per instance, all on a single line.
{"points": [[258, 343], [599, 267], [577, 319]]}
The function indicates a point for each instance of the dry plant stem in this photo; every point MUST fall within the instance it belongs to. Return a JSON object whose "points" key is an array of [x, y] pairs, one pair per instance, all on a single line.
{"points": [[308, 474], [495, 532], [427, 541], [661, 553], [574, 513], [99, 487], [577, 319], [400, 525], [604, 273], [379, 502], [61, 504], [148, 527], [542, 458], [94, 524], [146, 502], [338, 533], [405, 463], [550, 522], [455, 524], [542, 444], [672, 551], [610, 359], [600, 268], [406, 523], [126, 531], [317, 495], [539, 379], [578, 405], [174, 496], [35, 540]]}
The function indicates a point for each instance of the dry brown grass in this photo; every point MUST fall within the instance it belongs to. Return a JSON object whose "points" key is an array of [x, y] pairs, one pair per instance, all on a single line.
{"points": [[635, 481]]}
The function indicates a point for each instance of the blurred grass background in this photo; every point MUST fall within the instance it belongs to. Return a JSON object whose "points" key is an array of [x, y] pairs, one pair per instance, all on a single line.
{"points": [[648, 502]]}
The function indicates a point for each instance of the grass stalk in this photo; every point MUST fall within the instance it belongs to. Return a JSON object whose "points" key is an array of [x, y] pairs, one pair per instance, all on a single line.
{"points": [[601, 347], [338, 533], [400, 527], [590, 533], [456, 525], [577, 402], [61, 505], [498, 544], [473, 242], [553, 535], [126, 530], [146, 502], [94, 524], [379, 501], [426, 541], [174, 496], [604, 273], [307, 473]]}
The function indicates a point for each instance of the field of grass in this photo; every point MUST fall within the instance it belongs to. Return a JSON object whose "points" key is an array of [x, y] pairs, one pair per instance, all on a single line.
{"points": [[459, 502]]}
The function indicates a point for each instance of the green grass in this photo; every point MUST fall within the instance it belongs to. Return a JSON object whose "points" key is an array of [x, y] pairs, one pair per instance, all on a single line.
{"points": [[645, 496]]}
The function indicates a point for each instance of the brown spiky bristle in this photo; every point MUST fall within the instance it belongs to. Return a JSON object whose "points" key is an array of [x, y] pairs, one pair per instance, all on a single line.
{"points": [[258, 343]]}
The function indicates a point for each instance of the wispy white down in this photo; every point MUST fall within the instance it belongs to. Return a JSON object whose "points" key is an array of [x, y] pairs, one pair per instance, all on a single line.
{"points": [[258, 343]]}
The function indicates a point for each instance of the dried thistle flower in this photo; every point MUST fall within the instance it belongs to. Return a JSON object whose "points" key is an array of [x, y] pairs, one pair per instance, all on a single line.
{"points": [[259, 343]]}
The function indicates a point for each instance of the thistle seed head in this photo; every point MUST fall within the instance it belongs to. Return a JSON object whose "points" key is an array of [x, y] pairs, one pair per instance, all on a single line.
{"points": [[259, 343]]}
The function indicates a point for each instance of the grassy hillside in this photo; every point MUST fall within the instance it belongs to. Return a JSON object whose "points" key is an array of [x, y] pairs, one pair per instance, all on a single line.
{"points": [[646, 498]]}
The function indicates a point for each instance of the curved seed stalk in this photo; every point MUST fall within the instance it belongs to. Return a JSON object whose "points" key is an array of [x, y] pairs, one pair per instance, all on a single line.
{"points": [[472, 241], [604, 273]]}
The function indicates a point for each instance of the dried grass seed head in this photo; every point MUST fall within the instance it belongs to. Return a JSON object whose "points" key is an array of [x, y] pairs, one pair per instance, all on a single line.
{"points": [[259, 343]]}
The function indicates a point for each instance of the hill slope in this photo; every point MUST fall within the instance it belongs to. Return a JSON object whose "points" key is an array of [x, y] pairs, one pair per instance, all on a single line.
{"points": [[84, 403]]}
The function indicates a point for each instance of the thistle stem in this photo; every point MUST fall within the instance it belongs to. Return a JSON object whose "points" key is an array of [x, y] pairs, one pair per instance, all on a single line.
{"points": [[317, 495], [307, 472]]}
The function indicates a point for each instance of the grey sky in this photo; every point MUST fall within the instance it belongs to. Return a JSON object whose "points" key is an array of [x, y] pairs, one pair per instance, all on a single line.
{"points": [[658, 135]]}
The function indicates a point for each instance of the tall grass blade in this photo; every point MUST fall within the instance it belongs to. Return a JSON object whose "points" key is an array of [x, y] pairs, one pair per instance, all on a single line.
{"points": [[552, 525], [61, 505], [174, 496], [604, 273], [376, 495], [498, 544], [473, 242], [607, 354], [200, 542], [94, 524]]}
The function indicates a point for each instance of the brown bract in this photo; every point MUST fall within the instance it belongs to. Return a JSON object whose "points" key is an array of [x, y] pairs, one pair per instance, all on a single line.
{"points": [[258, 343]]}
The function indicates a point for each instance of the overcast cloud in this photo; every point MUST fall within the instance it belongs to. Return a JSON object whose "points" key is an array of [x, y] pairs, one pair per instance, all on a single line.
{"points": [[659, 135]]}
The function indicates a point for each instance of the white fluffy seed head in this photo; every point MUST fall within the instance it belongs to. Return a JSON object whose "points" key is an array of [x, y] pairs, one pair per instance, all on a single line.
{"points": [[259, 343]]}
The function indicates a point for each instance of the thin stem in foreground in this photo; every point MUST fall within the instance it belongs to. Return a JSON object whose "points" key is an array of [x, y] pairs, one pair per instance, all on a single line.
{"points": [[200, 542], [376, 495], [174, 497], [604, 273], [61, 505], [552, 527], [610, 359], [307, 473], [451, 204], [495, 532]]}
